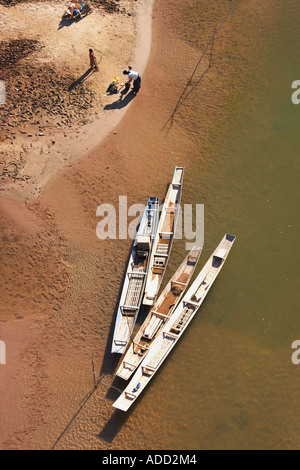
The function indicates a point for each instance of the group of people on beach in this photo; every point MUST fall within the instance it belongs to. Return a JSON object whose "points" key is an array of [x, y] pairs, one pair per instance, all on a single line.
{"points": [[133, 76], [75, 10]]}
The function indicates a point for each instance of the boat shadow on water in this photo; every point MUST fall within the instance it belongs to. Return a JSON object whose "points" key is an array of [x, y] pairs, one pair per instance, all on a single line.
{"points": [[113, 426], [118, 418], [109, 365]]}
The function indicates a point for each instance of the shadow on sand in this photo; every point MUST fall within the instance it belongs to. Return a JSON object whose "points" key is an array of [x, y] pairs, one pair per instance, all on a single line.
{"points": [[68, 21], [113, 426], [81, 79]]}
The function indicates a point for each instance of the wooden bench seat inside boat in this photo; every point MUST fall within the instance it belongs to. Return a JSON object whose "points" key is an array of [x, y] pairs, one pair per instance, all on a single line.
{"points": [[128, 311], [157, 270]]}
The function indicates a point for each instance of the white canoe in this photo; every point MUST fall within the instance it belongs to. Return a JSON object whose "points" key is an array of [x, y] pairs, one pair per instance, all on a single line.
{"points": [[163, 242], [176, 325], [159, 314], [134, 283]]}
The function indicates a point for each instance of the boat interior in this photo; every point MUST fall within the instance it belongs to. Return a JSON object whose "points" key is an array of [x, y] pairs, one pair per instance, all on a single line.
{"points": [[182, 319]]}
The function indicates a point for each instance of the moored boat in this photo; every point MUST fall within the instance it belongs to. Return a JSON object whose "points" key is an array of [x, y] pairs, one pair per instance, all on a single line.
{"points": [[163, 242], [134, 282], [159, 314], [176, 325]]}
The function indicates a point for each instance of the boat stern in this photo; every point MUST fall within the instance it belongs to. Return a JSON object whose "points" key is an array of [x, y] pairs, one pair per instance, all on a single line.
{"points": [[118, 346]]}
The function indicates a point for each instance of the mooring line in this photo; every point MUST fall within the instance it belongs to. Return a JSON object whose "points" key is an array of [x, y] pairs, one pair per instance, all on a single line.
{"points": [[84, 402]]}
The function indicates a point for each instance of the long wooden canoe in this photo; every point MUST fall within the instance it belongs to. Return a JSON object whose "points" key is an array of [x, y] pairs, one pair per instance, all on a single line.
{"points": [[163, 242], [159, 314], [176, 325], [134, 283]]}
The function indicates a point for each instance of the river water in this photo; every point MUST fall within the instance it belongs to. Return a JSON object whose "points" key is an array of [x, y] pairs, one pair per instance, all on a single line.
{"points": [[230, 382]]}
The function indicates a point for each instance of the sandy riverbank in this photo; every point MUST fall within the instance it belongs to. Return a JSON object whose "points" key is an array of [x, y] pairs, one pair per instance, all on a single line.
{"points": [[56, 108]]}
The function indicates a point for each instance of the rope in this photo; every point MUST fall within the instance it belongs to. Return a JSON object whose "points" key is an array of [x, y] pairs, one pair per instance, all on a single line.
{"points": [[76, 414]]}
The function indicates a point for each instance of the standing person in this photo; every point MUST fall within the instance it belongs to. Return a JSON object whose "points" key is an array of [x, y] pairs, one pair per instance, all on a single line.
{"points": [[135, 77], [93, 61], [72, 9]]}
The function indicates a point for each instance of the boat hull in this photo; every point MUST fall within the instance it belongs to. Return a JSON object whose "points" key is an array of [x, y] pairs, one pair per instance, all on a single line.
{"points": [[163, 242], [157, 317], [135, 278], [176, 325]]}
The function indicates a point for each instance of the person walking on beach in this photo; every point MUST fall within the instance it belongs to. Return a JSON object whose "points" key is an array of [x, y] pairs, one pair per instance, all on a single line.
{"points": [[135, 77], [93, 61]]}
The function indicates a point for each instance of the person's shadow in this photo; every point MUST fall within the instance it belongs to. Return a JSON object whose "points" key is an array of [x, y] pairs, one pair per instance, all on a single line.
{"points": [[121, 102], [81, 79]]}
